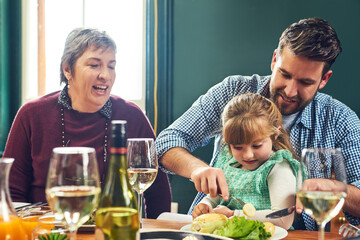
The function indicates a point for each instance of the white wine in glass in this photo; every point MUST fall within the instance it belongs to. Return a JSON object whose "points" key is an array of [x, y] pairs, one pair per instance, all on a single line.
{"points": [[142, 178], [73, 186], [142, 166], [320, 166]]}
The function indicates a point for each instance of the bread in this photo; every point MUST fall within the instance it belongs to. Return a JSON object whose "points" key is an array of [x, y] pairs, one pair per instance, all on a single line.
{"points": [[207, 223]]}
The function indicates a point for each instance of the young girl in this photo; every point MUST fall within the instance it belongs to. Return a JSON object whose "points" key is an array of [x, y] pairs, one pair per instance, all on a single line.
{"points": [[257, 160]]}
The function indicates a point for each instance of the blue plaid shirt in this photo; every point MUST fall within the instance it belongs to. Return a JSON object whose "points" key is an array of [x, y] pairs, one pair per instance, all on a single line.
{"points": [[325, 123]]}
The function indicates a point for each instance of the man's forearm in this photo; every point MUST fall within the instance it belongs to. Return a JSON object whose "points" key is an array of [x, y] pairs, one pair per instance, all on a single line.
{"points": [[352, 201], [181, 161]]}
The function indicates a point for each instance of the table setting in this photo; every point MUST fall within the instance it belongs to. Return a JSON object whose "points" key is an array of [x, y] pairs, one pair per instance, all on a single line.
{"points": [[161, 225], [181, 222], [72, 206]]}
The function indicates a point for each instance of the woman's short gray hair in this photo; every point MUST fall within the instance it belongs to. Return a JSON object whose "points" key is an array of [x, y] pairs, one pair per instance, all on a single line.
{"points": [[78, 42]]}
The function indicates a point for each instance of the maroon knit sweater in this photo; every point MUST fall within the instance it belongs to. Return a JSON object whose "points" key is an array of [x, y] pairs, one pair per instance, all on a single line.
{"points": [[36, 130]]}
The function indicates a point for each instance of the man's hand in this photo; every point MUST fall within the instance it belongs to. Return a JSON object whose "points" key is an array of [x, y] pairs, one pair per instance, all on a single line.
{"points": [[207, 179], [224, 210], [319, 184], [201, 209], [211, 181]]}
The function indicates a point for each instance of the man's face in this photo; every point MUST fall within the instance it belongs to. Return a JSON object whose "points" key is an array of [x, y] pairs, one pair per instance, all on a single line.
{"points": [[295, 81]]}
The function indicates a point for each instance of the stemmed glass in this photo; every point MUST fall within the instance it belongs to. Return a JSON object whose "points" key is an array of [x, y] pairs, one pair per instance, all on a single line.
{"points": [[142, 166], [73, 186], [320, 202]]}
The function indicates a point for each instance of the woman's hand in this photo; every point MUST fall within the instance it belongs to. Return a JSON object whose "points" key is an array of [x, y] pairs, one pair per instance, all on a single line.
{"points": [[200, 209], [224, 210]]}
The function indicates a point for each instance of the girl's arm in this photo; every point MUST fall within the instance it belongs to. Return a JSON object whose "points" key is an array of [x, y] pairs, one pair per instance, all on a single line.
{"points": [[205, 206], [212, 202], [282, 189]]}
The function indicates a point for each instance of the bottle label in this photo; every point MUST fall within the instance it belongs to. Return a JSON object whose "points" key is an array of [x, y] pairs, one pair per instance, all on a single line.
{"points": [[99, 234], [122, 150]]}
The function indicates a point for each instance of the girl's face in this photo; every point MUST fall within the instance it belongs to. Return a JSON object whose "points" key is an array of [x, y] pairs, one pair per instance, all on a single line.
{"points": [[253, 155]]}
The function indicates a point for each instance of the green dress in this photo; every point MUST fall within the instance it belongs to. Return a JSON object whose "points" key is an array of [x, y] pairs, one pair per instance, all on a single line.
{"points": [[251, 185]]}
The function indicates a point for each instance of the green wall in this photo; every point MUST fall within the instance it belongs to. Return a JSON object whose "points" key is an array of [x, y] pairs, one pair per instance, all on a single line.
{"points": [[10, 65], [216, 38]]}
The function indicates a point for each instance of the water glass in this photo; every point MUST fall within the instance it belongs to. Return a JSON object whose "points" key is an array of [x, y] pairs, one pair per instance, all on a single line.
{"points": [[48, 226], [30, 215]]}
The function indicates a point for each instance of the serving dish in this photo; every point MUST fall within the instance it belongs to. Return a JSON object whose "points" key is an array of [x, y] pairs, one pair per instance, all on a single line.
{"points": [[171, 234]]}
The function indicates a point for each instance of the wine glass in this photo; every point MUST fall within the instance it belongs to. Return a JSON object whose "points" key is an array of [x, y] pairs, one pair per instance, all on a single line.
{"points": [[73, 186], [142, 166], [322, 166]]}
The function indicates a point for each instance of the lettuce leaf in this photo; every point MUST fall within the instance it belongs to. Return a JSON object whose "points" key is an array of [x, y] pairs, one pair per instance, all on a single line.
{"points": [[241, 228]]}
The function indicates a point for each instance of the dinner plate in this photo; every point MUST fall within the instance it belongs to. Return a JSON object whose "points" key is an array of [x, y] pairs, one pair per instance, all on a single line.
{"points": [[279, 233], [170, 234]]}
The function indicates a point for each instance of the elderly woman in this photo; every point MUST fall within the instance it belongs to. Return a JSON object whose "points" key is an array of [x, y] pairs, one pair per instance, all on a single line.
{"points": [[79, 115]]}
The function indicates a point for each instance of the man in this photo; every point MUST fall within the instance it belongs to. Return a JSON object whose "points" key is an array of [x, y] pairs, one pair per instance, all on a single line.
{"points": [[300, 67]]}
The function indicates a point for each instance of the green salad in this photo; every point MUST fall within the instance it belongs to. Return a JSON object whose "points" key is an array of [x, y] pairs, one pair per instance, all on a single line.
{"points": [[241, 228]]}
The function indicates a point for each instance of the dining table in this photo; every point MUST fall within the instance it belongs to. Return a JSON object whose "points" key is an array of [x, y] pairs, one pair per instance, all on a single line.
{"points": [[176, 225]]}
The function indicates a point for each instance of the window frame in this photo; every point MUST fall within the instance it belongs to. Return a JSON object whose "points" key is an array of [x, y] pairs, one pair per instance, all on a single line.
{"points": [[34, 55]]}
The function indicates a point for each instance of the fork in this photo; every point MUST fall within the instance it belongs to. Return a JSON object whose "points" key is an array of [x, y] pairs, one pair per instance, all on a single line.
{"points": [[236, 199], [348, 230], [18, 209]]}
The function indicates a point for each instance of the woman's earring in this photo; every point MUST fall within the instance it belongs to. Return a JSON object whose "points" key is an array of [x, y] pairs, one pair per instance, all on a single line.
{"points": [[68, 82]]}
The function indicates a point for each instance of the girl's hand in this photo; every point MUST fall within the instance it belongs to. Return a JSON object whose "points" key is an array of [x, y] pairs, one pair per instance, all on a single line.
{"points": [[224, 210], [200, 209]]}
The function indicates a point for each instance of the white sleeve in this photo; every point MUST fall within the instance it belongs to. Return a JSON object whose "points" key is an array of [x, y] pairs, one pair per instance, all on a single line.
{"points": [[212, 202], [282, 188]]}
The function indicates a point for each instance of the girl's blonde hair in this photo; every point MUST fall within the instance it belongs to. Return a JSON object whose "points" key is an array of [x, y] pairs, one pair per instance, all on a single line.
{"points": [[249, 117]]}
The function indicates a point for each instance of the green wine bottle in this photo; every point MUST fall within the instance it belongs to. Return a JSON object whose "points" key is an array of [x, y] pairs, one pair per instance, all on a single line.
{"points": [[117, 215]]}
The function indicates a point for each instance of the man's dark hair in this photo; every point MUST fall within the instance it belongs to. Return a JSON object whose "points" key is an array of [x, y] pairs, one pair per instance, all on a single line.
{"points": [[313, 38]]}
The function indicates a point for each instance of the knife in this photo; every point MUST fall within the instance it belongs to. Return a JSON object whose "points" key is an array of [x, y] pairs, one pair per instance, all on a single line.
{"points": [[281, 213]]}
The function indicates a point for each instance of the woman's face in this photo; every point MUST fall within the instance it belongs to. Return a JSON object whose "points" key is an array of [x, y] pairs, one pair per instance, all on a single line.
{"points": [[92, 79], [253, 155]]}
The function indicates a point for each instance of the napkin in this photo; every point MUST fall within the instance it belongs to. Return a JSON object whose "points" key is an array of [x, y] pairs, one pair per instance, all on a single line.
{"points": [[175, 217]]}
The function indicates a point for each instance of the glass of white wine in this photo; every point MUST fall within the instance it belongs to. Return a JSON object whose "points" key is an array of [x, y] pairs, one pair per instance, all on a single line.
{"points": [[142, 166], [73, 186], [323, 186]]}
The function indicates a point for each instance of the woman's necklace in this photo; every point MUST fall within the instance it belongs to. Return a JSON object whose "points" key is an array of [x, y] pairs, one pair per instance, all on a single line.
{"points": [[68, 141]]}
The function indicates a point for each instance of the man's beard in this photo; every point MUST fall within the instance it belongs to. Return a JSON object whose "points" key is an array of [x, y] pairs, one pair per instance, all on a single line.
{"points": [[301, 104]]}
